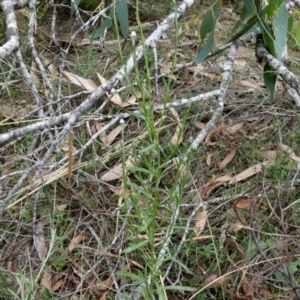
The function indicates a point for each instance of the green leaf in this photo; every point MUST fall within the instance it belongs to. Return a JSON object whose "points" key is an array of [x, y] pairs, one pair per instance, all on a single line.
{"points": [[122, 13], [298, 33], [270, 80], [135, 246], [77, 2], [135, 278], [268, 37], [206, 49], [209, 21], [281, 28], [273, 6], [105, 24], [290, 24], [250, 24], [250, 6], [258, 5], [46, 295], [180, 288], [26, 214], [243, 17]]}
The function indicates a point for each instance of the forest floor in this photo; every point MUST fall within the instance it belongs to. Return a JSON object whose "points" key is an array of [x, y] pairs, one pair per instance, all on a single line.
{"points": [[229, 216]]}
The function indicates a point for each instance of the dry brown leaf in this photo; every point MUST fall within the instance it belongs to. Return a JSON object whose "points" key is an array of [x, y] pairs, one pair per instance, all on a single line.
{"points": [[213, 183], [116, 99], [247, 203], [197, 69], [166, 68], [200, 125], [208, 159], [46, 279], [58, 285], [182, 167], [214, 281], [228, 159], [88, 84], [289, 151], [97, 126], [17, 112], [61, 207], [105, 284], [34, 74], [39, 240], [117, 171], [250, 172], [200, 221], [234, 129], [251, 85], [119, 191], [270, 155], [75, 241], [113, 134], [177, 138]]}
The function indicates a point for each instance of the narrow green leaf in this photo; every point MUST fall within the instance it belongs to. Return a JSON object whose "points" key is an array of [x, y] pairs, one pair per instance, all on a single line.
{"points": [[209, 21], [243, 16], [268, 37], [281, 27], [206, 49], [135, 246], [298, 33], [270, 80], [122, 13], [207, 25], [180, 288], [258, 5], [77, 2], [46, 295], [250, 24], [105, 24], [290, 24], [273, 6], [250, 6], [134, 277]]}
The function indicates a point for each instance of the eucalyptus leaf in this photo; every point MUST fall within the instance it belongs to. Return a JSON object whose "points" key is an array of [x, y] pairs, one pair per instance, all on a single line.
{"points": [[105, 25], [135, 246], [281, 28], [209, 21], [122, 13], [268, 37], [270, 80], [250, 6], [77, 2], [206, 49], [273, 6]]}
